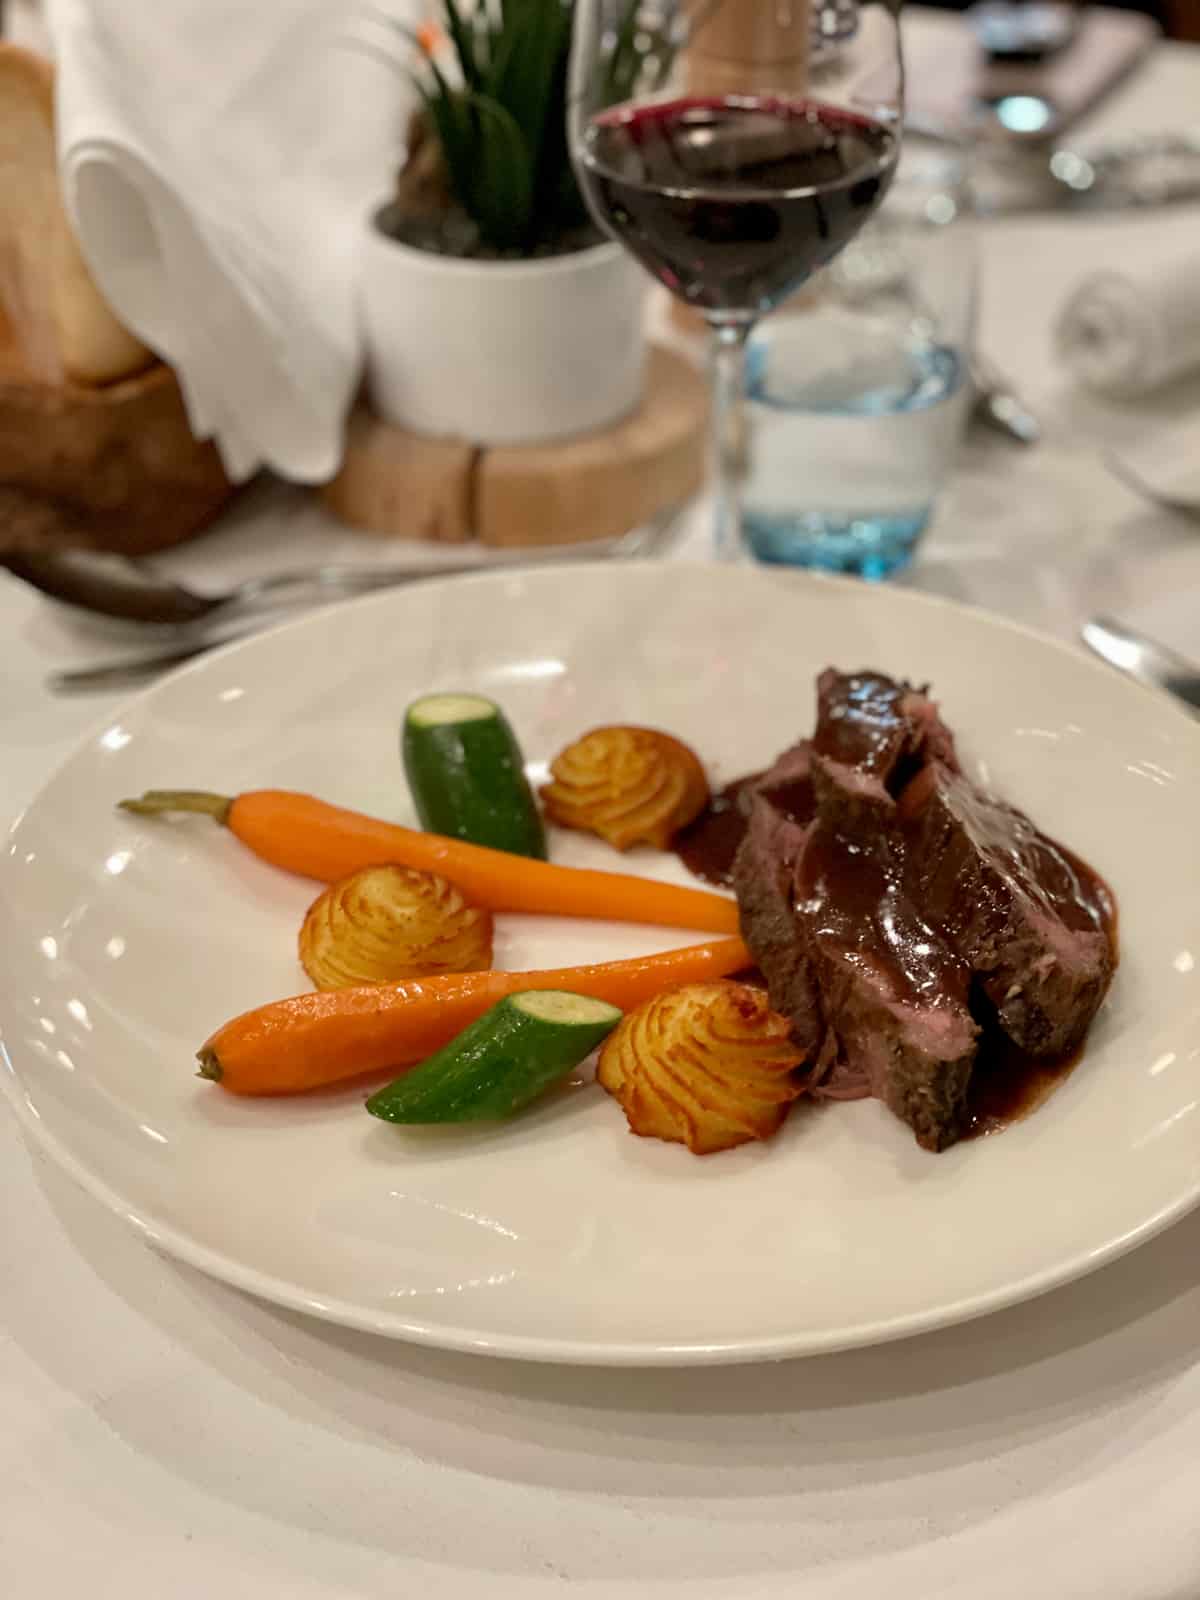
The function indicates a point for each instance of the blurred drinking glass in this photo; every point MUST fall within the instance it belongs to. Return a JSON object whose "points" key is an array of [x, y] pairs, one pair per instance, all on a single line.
{"points": [[858, 394]]}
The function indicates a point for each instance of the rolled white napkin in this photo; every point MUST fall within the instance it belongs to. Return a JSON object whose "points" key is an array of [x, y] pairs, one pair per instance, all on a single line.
{"points": [[1126, 333], [1165, 466], [219, 160]]}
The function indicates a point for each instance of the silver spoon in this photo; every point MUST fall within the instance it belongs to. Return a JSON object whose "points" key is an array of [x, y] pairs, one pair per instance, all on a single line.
{"points": [[1151, 663], [118, 587], [115, 586], [188, 642]]}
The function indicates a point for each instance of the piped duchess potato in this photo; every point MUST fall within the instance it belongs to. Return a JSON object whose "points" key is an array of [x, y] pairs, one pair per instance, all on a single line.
{"points": [[629, 785], [709, 1065], [386, 923]]}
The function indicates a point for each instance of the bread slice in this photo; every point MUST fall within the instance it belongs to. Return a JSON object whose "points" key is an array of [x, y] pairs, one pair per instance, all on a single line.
{"points": [[111, 466], [53, 319]]}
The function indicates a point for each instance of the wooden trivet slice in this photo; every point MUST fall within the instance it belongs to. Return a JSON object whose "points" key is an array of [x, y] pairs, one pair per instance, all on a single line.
{"points": [[593, 487]]}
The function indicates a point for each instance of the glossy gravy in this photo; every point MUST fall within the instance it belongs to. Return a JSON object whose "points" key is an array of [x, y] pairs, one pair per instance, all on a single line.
{"points": [[708, 845], [1007, 1083]]}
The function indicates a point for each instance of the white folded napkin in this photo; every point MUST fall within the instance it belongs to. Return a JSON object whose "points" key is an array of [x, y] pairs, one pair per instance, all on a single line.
{"points": [[219, 161], [1165, 466], [1126, 333]]}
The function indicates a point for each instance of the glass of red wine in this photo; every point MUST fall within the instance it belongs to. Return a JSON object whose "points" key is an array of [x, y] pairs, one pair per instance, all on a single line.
{"points": [[734, 147]]}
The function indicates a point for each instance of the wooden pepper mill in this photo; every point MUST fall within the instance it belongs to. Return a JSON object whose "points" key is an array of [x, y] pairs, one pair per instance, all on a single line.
{"points": [[747, 46]]}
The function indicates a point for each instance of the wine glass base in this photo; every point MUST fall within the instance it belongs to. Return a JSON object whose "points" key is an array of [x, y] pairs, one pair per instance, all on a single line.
{"points": [[871, 547]]}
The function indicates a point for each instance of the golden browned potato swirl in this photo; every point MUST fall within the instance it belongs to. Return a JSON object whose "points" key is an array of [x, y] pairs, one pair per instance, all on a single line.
{"points": [[629, 785], [387, 923], [709, 1066]]}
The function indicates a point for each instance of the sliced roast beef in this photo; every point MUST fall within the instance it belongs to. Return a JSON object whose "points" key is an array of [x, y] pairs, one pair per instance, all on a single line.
{"points": [[874, 734], [788, 781], [1031, 920], [872, 993], [860, 724], [899, 915], [893, 995], [781, 809]]}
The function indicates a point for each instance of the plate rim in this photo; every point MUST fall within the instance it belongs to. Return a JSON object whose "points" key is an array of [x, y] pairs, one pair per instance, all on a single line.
{"points": [[799, 578], [218, 1265], [561, 1352]]}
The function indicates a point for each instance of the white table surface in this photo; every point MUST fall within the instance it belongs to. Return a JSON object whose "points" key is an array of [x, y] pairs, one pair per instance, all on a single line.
{"points": [[165, 1436]]}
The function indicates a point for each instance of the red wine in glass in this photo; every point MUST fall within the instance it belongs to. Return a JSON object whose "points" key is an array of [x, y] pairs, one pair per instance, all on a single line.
{"points": [[734, 202]]}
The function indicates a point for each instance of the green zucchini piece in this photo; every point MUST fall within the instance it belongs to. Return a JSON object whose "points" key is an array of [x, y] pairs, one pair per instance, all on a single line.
{"points": [[500, 1062], [467, 775]]}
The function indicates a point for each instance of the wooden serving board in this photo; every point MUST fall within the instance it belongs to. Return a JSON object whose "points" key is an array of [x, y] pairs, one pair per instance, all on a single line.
{"points": [[596, 486]]}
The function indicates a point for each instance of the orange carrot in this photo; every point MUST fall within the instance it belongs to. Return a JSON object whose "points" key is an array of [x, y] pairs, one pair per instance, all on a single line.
{"points": [[317, 1039], [306, 836]]}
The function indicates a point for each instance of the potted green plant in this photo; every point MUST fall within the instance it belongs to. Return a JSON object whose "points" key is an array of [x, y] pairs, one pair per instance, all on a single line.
{"points": [[494, 309]]}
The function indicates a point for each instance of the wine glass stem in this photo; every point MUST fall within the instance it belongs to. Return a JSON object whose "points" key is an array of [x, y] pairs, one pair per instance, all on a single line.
{"points": [[729, 436]]}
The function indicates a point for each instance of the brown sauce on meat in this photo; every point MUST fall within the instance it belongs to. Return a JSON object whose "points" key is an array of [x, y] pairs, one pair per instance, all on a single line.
{"points": [[1008, 1083], [1095, 893], [851, 889], [708, 845], [793, 799], [860, 721], [1063, 882]]}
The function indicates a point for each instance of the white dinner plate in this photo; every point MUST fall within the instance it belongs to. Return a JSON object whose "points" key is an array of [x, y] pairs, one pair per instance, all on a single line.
{"points": [[558, 1235]]}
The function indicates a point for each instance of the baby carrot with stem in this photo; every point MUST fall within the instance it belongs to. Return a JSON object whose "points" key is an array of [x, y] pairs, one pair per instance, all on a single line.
{"points": [[304, 835], [313, 1040]]}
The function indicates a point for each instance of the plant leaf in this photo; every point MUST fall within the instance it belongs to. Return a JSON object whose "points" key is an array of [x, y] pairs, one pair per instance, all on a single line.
{"points": [[536, 37], [501, 181], [448, 121], [642, 56], [557, 197], [465, 38], [529, 78], [503, 132], [622, 66]]}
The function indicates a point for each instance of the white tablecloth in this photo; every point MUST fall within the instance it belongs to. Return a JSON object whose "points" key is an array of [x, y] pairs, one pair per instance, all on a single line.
{"points": [[165, 1436]]}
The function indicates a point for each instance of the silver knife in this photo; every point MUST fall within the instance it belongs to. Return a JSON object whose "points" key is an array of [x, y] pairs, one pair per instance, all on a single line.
{"points": [[1151, 663], [998, 406]]}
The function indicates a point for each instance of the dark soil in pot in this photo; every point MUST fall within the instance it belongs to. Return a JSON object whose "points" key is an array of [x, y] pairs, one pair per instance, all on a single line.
{"points": [[453, 233]]}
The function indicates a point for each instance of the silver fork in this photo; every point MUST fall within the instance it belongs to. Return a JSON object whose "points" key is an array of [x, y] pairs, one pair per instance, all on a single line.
{"points": [[118, 587], [315, 586]]}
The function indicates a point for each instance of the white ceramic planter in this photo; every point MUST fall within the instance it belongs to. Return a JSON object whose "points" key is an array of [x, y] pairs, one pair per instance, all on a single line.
{"points": [[502, 352]]}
